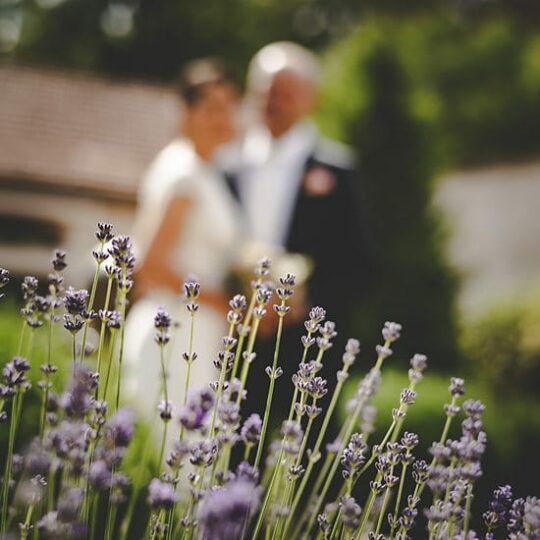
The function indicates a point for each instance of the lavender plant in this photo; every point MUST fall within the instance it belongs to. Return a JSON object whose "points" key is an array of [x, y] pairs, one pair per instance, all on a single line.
{"points": [[71, 481]]}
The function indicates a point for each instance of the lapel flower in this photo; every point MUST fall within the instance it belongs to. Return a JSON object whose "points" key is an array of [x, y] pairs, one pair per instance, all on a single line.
{"points": [[319, 181]]}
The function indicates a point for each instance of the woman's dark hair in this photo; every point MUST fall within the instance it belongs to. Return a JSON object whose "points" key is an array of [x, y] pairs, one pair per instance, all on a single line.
{"points": [[197, 76]]}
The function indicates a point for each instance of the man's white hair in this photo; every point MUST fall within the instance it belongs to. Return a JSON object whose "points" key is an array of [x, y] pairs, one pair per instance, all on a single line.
{"points": [[281, 56]]}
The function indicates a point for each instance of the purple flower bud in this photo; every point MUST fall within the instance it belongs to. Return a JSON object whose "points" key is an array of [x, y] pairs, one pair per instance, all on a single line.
{"points": [[104, 232], [120, 427], [76, 302], [69, 504], [29, 287], [238, 303], [224, 513], [263, 267], [99, 476], [391, 331], [192, 290], [195, 411], [457, 386], [59, 261], [161, 494], [251, 430], [407, 396], [4, 277], [247, 472], [382, 351]]}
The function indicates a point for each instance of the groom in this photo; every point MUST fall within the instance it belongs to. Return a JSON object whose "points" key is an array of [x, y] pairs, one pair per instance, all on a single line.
{"points": [[295, 188]]}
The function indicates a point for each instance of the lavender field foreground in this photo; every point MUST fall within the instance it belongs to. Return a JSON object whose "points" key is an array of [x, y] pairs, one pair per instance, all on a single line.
{"points": [[72, 481]]}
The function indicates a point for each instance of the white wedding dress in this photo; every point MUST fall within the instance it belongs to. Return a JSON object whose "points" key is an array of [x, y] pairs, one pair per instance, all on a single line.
{"points": [[205, 251]]}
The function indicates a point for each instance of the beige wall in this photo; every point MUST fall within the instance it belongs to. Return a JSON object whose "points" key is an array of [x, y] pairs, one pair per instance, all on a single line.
{"points": [[493, 216]]}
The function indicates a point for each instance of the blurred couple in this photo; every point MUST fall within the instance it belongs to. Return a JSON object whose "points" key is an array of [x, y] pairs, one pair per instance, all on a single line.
{"points": [[244, 179]]}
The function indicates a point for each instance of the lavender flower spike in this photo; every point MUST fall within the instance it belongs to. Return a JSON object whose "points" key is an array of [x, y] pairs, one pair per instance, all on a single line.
{"points": [[224, 513], [161, 494]]}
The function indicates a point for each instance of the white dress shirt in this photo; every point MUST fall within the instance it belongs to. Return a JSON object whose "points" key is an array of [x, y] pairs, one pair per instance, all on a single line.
{"points": [[270, 177]]}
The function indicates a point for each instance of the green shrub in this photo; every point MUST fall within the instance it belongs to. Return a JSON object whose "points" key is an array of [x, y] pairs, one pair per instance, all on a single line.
{"points": [[503, 346]]}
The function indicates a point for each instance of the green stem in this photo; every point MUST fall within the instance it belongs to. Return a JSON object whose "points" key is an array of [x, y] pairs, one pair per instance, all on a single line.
{"points": [[365, 516], [111, 518], [260, 444], [121, 352], [103, 326], [51, 487], [468, 501], [246, 322], [47, 379], [220, 384], [9, 459], [90, 305], [245, 366], [398, 499], [190, 353], [266, 501], [166, 404], [384, 505], [137, 484], [110, 362], [94, 508], [21, 338], [27, 521]]}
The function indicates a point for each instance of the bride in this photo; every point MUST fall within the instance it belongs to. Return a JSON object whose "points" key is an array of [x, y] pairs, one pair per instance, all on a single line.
{"points": [[187, 227]]}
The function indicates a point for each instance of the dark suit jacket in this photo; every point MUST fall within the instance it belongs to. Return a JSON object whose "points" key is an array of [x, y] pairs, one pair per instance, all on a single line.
{"points": [[327, 226]]}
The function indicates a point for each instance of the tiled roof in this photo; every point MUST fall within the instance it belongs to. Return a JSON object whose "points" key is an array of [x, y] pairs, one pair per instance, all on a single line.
{"points": [[78, 132]]}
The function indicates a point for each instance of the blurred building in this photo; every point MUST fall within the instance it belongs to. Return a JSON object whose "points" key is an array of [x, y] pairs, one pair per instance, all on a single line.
{"points": [[72, 149]]}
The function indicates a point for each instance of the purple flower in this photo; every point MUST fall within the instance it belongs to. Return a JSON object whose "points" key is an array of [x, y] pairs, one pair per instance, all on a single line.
{"points": [[69, 504], [120, 427], [162, 320], [4, 277], [14, 371], [251, 430], [350, 512], [263, 267], [78, 402], [419, 362], [29, 287], [353, 456], [391, 331], [224, 513], [99, 476], [192, 290], [161, 494], [195, 412], [351, 351], [229, 413], [247, 472], [122, 252], [76, 302], [104, 232], [162, 323], [37, 460], [499, 508], [67, 437], [59, 261], [407, 396], [457, 386], [203, 453]]}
